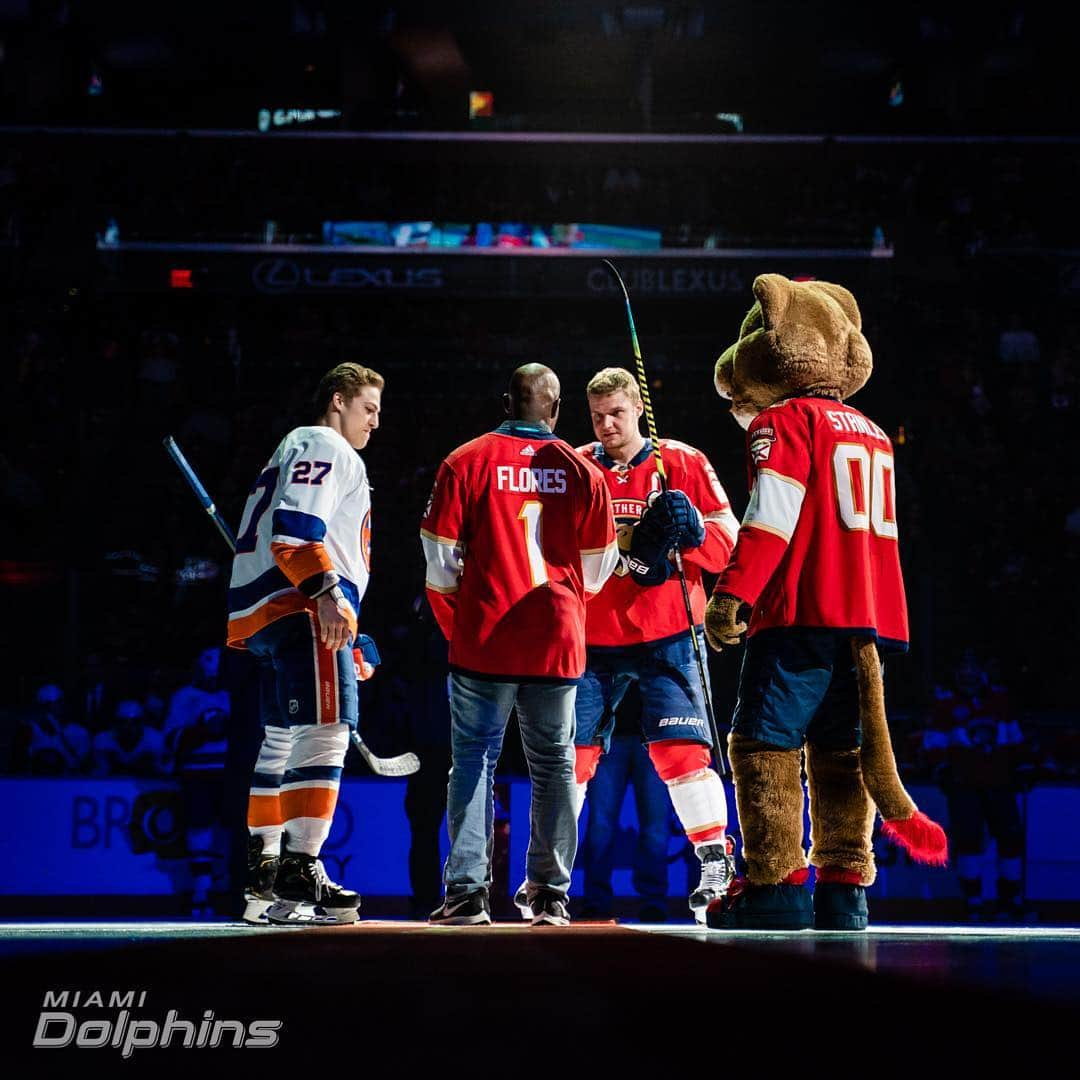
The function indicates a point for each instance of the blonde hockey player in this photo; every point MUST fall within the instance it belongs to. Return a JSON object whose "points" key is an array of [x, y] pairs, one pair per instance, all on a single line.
{"points": [[301, 568]]}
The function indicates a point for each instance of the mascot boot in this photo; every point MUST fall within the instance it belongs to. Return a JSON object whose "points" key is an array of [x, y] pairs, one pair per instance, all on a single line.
{"points": [[769, 796], [841, 827], [846, 787]]}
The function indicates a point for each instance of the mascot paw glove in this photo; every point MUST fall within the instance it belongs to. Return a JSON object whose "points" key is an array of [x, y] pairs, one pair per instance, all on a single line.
{"points": [[365, 657], [648, 558], [722, 628], [673, 512]]}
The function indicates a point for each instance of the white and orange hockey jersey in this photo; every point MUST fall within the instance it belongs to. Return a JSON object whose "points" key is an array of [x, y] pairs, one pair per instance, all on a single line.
{"points": [[306, 528]]}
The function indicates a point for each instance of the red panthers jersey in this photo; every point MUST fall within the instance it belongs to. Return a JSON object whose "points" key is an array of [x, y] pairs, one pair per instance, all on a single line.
{"points": [[626, 613], [818, 545], [517, 534]]}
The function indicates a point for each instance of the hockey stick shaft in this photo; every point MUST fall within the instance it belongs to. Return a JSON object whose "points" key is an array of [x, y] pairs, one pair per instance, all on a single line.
{"points": [[403, 764], [195, 484], [643, 383], [650, 420]]}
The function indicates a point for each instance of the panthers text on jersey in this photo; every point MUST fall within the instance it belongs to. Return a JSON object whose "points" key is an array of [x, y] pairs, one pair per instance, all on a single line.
{"points": [[306, 527], [818, 546], [517, 534], [626, 613]]}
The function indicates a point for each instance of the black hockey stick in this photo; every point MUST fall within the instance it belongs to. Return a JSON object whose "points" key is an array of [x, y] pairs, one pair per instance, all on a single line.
{"points": [[650, 420], [402, 765]]}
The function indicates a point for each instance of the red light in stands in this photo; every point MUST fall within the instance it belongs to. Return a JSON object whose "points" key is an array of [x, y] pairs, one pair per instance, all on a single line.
{"points": [[180, 279], [481, 103]]}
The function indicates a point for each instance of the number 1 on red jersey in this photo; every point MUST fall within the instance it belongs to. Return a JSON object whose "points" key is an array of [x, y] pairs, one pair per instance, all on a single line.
{"points": [[530, 514]]}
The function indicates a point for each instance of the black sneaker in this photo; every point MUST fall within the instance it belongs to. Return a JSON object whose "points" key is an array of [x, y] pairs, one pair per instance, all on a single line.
{"points": [[259, 887], [468, 909], [302, 880], [549, 909]]}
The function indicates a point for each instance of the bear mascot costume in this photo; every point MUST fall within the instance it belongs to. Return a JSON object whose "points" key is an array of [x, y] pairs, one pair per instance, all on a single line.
{"points": [[817, 563]]}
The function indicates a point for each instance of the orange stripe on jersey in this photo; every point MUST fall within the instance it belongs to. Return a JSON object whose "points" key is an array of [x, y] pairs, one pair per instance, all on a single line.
{"points": [[277, 607], [264, 810], [313, 802], [300, 561], [289, 603]]}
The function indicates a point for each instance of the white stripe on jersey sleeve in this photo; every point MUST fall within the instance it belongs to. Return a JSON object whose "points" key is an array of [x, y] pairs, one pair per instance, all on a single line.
{"points": [[727, 521], [775, 504], [445, 561], [597, 566]]}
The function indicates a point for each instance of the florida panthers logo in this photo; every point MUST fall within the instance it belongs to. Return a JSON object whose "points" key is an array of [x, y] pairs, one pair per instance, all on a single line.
{"points": [[627, 514], [761, 444]]}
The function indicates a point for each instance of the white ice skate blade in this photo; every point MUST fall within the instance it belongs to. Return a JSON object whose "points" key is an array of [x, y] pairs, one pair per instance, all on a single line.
{"points": [[255, 911], [293, 913]]}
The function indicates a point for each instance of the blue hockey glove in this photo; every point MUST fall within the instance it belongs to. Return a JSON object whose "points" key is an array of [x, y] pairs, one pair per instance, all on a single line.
{"points": [[366, 657], [648, 558], [673, 512]]}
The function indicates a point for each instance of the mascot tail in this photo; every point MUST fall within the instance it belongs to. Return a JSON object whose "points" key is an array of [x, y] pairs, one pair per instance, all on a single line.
{"points": [[902, 821]]}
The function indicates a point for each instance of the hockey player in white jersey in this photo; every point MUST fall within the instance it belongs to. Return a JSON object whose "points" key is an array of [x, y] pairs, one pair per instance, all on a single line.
{"points": [[300, 572]]}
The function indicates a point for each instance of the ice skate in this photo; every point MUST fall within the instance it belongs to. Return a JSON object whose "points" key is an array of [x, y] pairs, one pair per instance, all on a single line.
{"points": [[717, 874], [305, 895], [259, 887]]}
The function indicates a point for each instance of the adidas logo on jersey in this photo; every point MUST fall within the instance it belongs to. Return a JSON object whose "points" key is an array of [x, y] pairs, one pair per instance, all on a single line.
{"points": [[528, 451]]}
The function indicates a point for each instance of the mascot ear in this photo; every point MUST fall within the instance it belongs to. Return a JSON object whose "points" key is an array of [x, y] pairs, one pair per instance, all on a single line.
{"points": [[843, 298], [859, 365], [724, 372], [773, 292]]}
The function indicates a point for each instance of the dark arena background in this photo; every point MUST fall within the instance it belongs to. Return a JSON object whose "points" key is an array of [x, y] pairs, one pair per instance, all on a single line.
{"points": [[205, 207]]}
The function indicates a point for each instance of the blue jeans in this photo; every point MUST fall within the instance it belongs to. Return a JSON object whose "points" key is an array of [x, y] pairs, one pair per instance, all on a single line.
{"points": [[626, 763], [479, 711]]}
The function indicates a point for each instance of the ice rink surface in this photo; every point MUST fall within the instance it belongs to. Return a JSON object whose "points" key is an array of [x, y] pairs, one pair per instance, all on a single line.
{"points": [[944, 993], [1039, 961]]}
